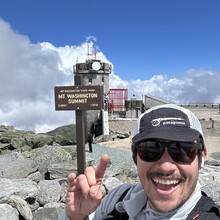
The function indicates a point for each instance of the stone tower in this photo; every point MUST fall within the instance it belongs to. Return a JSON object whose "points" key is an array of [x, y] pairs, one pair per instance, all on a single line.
{"points": [[94, 72]]}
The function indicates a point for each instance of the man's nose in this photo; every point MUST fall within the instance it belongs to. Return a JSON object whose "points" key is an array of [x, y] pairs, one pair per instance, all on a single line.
{"points": [[166, 162]]}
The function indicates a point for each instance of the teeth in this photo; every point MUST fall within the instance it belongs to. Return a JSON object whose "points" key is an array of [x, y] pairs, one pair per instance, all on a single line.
{"points": [[165, 182]]}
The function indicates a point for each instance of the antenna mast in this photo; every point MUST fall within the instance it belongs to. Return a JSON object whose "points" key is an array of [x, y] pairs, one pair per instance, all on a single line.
{"points": [[92, 55]]}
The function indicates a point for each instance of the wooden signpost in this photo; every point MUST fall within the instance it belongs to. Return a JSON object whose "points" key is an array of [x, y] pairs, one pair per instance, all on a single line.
{"points": [[79, 98]]}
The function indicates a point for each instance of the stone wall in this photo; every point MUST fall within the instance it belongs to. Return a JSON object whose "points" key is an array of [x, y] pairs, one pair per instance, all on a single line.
{"points": [[124, 125], [206, 114], [205, 111]]}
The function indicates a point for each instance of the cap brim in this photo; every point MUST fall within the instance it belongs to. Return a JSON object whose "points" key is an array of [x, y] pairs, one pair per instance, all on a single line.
{"points": [[172, 134]]}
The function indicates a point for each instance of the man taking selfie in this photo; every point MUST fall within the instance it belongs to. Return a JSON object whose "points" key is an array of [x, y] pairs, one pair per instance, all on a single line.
{"points": [[168, 149]]}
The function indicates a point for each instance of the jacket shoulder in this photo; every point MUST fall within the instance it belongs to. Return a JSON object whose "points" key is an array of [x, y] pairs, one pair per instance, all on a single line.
{"points": [[205, 209]]}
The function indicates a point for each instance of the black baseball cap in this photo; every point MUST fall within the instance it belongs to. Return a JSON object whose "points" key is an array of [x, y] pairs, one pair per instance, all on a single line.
{"points": [[168, 122]]}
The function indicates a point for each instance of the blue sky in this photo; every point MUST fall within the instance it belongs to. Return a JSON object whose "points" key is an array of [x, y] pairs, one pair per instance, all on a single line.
{"points": [[169, 49], [141, 38]]}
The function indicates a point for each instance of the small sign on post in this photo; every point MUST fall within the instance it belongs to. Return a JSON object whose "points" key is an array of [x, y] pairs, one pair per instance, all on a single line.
{"points": [[79, 98]]}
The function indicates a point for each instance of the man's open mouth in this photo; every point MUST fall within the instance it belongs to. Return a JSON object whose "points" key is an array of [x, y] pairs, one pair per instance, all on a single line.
{"points": [[165, 184]]}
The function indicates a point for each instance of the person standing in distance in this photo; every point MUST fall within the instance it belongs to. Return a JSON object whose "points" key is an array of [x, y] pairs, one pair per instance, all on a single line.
{"points": [[168, 149], [90, 140]]}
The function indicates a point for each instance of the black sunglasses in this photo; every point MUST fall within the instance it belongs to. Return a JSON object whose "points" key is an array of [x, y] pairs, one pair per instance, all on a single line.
{"points": [[180, 152]]}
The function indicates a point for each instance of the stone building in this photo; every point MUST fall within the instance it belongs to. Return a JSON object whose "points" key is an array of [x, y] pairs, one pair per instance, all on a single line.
{"points": [[94, 72]]}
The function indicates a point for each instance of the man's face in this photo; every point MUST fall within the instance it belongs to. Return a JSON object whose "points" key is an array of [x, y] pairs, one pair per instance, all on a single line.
{"points": [[167, 184]]}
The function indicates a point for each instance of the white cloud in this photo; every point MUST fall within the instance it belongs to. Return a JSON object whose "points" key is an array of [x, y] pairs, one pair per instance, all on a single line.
{"points": [[116, 82], [29, 72], [197, 86]]}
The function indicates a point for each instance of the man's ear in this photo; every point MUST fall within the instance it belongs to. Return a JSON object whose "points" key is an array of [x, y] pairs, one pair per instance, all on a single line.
{"points": [[204, 151]]}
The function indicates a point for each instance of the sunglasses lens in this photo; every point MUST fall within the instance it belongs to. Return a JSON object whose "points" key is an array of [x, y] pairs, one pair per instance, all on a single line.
{"points": [[183, 152], [150, 151], [180, 152]]}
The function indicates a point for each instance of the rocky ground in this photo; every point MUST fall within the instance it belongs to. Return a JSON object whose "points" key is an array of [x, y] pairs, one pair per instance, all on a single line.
{"points": [[33, 170]]}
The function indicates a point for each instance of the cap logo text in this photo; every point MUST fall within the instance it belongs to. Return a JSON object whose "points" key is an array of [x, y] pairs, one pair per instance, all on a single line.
{"points": [[167, 121]]}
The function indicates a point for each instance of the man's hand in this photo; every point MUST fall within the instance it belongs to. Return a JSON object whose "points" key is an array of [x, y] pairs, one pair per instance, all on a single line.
{"points": [[84, 191]]}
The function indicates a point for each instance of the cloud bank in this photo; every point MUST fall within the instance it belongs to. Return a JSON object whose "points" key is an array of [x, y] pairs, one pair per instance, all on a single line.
{"points": [[29, 72], [196, 86]]}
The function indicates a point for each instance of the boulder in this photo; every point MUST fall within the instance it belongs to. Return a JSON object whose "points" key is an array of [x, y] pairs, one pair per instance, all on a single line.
{"points": [[15, 165]]}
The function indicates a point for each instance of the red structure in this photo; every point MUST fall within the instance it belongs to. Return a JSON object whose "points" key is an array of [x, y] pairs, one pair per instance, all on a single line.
{"points": [[116, 100]]}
